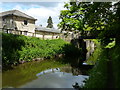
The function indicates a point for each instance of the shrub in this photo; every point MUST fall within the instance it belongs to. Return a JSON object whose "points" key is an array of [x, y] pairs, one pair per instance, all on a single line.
{"points": [[19, 47]]}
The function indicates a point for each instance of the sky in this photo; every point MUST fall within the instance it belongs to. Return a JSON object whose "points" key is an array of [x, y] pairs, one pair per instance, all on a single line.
{"points": [[39, 10]]}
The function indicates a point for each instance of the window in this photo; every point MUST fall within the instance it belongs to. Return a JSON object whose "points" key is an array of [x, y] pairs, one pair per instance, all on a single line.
{"points": [[16, 28], [25, 32], [4, 20], [25, 22], [21, 32], [56, 36]]}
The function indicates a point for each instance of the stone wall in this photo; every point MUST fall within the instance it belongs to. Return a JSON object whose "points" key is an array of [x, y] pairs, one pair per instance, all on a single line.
{"points": [[42, 35], [90, 45], [46, 35], [19, 21], [68, 36], [16, 25]]}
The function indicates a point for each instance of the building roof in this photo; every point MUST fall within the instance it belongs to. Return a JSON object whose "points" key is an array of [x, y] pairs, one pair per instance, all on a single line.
{"points": [[44, 29], [16, 13]]}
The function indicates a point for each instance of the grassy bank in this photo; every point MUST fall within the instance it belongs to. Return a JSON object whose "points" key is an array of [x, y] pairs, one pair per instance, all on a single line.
{"points": [[16, 48]]}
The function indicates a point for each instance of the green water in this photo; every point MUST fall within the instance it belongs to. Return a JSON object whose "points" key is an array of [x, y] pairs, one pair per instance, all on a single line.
{"points": [[26, 72], [54, 75]]}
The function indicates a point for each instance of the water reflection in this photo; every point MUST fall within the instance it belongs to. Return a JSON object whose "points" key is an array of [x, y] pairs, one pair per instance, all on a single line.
{"points": [[49, 71], [71, 70], [33, 75], [56, 78]]}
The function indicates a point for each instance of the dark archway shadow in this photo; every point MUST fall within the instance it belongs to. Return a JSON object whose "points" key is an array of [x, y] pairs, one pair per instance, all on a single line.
{"points": [[75, 55], [75, 52]]}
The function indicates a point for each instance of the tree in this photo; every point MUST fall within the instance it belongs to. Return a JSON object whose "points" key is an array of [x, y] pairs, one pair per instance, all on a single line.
{"points": [[94, 16], [50, 23], [116, 23], [72, 18], [106, 17]]}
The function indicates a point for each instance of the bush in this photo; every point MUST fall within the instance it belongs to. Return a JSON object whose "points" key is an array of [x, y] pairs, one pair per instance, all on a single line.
{"points": [[115, 56], [98, 75], [19, 47]]}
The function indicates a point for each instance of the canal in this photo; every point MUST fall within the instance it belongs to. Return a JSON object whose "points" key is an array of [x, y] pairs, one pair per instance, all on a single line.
{"points": [[44, 74]]}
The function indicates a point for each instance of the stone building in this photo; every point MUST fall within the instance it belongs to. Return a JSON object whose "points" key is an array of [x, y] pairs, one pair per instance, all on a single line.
{"points": [[47, 33], [17, 22]]}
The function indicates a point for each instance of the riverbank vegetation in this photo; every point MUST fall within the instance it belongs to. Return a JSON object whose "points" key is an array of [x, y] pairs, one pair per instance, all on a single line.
{"points": [[101, 17], [95, 55], [18, 48], [101, 20], [115, 57], [99, 75]]}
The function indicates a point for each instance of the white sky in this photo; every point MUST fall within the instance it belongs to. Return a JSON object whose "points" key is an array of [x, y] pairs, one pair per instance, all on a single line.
{"points": [[39, 10]]}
